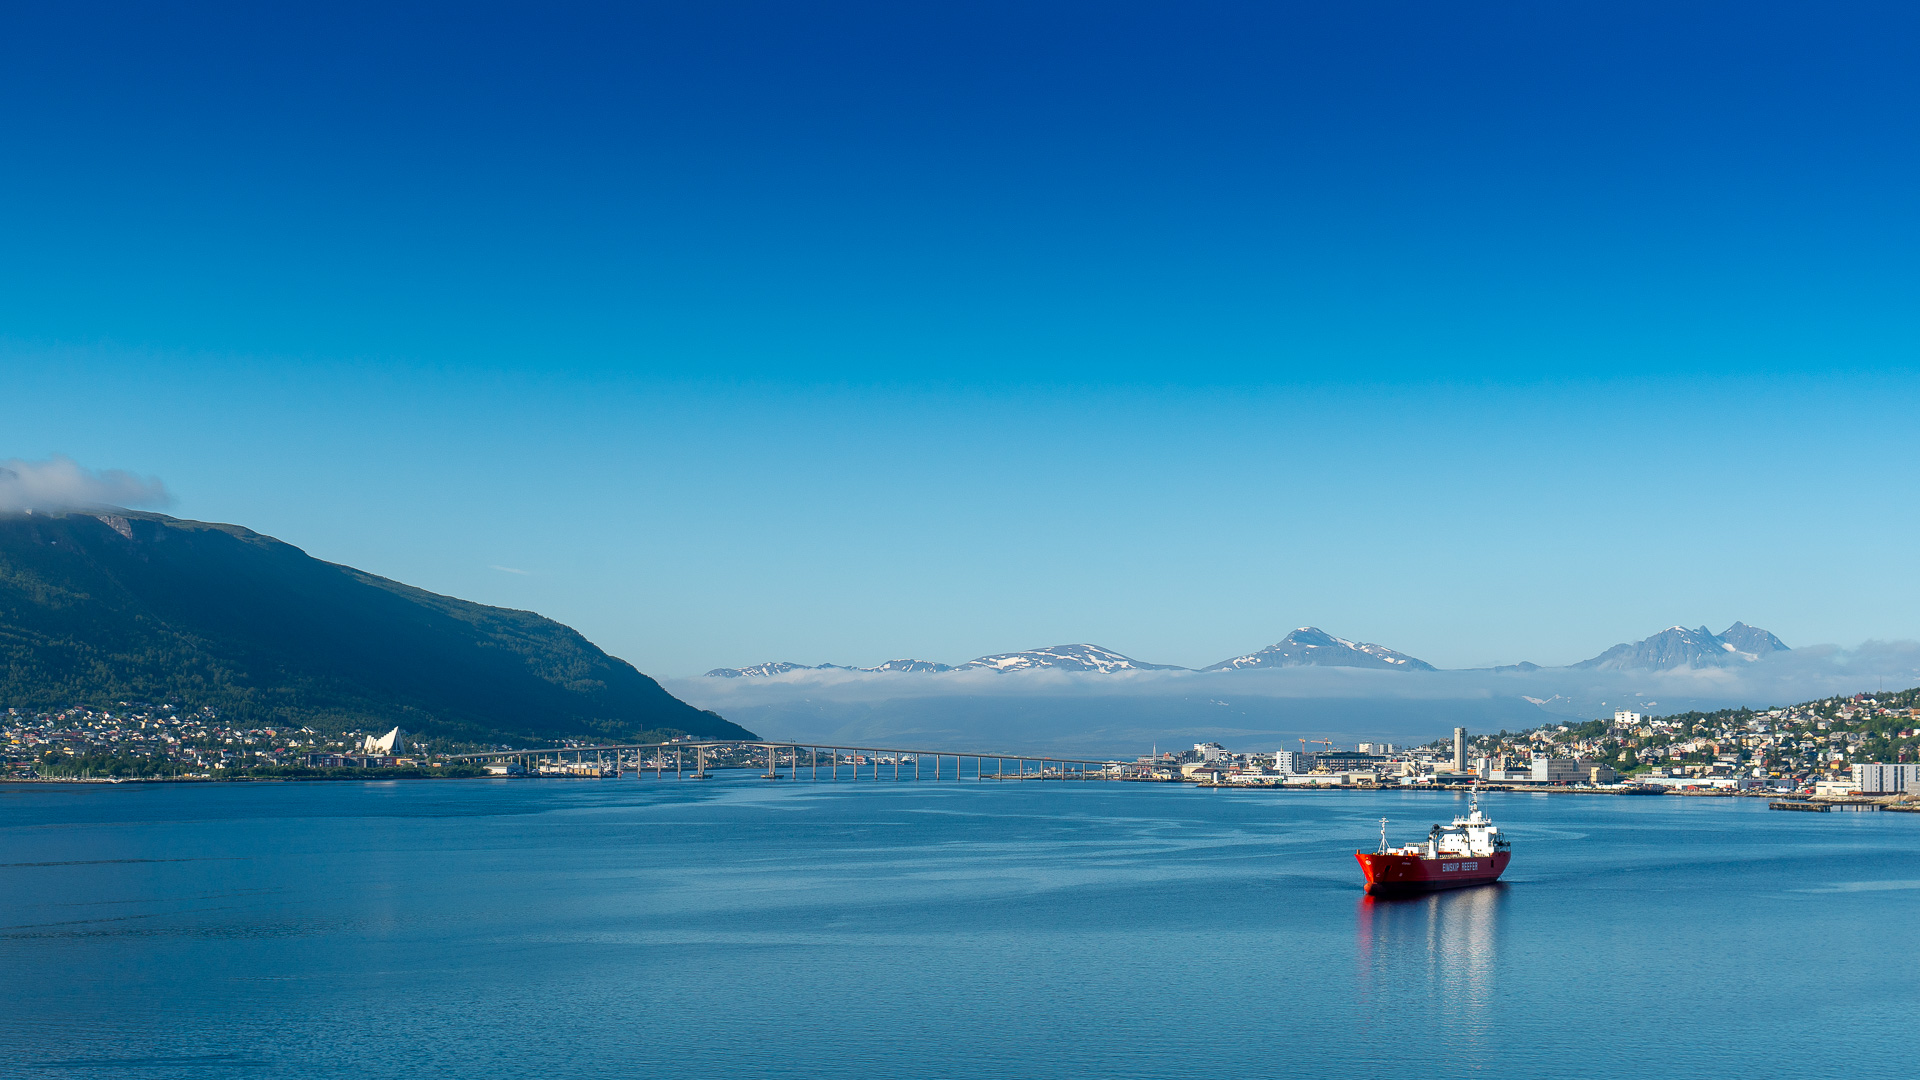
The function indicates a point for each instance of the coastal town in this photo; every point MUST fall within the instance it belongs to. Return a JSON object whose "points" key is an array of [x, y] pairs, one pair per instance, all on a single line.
{"points": [[1835, 747], [139, 741], [1863, 745]]}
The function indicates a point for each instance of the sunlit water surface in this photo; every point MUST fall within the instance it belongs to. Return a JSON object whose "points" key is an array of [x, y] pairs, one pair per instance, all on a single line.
{"points": [[747, 928]]}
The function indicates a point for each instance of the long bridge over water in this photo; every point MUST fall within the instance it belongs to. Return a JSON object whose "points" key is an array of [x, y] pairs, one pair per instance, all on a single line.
{"points": [[796, 761]]}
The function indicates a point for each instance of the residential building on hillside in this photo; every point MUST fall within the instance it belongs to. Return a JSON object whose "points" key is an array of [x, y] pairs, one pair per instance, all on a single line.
{"points": [[1880, 778]]}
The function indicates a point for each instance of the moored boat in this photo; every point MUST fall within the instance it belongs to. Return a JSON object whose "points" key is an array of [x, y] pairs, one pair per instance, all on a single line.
{"points": [[1470, 851]]}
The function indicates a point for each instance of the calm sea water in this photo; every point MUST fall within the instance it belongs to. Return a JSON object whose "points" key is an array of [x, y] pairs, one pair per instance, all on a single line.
{"points": [[744, 928]]}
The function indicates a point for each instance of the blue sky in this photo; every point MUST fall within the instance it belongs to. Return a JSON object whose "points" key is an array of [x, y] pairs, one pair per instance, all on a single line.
{"points": [[841, 332]]}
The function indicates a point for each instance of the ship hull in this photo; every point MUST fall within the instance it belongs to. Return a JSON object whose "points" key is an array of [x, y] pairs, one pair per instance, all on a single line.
{"points": [[1389, 875]]}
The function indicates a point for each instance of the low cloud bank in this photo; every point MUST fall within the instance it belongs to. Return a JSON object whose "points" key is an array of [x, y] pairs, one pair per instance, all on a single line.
{"points": [[60, 483], [1072, 712]]}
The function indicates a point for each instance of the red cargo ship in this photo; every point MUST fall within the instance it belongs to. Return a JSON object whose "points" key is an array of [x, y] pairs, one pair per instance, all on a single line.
{"points": [[1470, 851]]}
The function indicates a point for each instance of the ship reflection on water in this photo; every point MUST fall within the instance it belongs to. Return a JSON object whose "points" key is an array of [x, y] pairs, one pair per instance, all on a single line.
{"points": [[1432, 952]]}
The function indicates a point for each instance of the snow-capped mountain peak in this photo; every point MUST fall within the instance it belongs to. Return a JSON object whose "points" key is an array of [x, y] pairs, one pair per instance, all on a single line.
{"points": [[1312, 645], [1678, 646], [1081, 657], [1751, 640], [757, 671]]}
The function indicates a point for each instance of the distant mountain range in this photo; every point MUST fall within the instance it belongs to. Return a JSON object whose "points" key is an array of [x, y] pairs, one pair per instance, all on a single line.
{"points": [[1064, 657], [115, 606], [1310, 646], [781, 667]]}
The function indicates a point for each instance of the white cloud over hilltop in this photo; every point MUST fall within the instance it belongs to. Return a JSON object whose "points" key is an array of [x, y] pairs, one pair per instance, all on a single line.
{"points": [[60, 483]]}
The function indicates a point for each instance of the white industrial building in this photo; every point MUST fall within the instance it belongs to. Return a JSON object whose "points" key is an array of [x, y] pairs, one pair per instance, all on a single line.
{"points": [[1555, 770]]}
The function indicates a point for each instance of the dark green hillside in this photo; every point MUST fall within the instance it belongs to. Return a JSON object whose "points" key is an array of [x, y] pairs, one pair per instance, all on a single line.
{"points": [[142, 607]]}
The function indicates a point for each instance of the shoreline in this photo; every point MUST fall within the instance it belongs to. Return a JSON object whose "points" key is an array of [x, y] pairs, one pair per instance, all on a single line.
{"points": [[1896, 803]]}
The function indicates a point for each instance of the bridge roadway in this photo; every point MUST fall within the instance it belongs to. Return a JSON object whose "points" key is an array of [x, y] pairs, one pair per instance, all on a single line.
{"points": [[927, 764]]}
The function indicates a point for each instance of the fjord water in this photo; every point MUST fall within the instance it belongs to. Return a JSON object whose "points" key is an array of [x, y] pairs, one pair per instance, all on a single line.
{"points": [[747, 928]]}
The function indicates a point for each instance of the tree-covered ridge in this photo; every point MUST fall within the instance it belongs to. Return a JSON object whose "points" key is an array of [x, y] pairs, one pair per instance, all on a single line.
{"points": [[112, 607]]}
